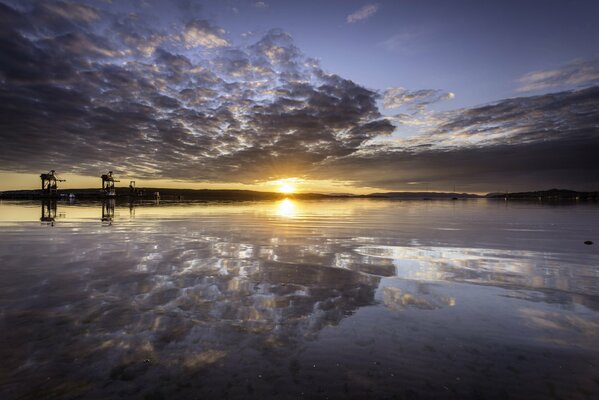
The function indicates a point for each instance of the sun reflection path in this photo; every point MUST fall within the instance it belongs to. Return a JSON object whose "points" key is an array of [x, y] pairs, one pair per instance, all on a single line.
{"points": [[286, 208]]}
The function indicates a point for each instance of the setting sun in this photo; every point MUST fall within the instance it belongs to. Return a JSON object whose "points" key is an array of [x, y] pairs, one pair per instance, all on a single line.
{"points": [[286, 185], [286, 188]]}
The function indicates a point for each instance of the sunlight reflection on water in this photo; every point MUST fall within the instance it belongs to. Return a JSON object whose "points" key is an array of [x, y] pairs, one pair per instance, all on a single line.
{"points": [[286, 208]]}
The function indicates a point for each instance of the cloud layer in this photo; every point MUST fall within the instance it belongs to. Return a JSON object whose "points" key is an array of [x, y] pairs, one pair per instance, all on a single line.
{"points": [[516, 144], [182, 103], [398, 97], [579, 73], [85, 89]]}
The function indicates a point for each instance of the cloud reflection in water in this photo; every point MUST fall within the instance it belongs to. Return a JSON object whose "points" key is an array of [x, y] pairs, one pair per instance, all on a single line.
{"points": [[195, 298]]}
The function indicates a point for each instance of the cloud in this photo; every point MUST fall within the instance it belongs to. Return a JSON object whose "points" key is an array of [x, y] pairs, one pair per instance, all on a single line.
{"points": [[85, 44], [202, 33], [396, 97], [260, 4], [146, 102], [365, 12], [73, 11], [516, 144], [143, 45], [534, 166], [579, 73]]}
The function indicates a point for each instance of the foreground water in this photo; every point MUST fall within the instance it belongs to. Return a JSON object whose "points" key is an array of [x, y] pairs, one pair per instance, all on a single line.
{"points": [[324, 299]]}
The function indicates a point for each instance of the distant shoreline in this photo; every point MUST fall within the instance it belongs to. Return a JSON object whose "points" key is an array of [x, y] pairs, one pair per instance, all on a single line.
{"points": [[249, 195]]}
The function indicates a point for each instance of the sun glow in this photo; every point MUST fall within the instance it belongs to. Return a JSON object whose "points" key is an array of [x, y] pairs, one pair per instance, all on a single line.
{"points": [[286, 188], [287, 185]]}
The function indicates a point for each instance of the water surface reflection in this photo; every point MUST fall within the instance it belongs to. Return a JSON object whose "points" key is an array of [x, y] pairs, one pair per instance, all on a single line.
{"points": [[337, 299]]}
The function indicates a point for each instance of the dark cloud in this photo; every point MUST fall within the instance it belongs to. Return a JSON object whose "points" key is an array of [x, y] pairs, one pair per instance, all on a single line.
{"points": [[79, 44], [81, 99], [59, 17], [548, 117], [534, 166], [515, 144]]}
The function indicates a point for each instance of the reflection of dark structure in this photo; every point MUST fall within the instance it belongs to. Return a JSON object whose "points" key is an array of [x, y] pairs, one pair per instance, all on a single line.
{"points": [[108, 184], [50, 183], [108, 211], [48, 212]]}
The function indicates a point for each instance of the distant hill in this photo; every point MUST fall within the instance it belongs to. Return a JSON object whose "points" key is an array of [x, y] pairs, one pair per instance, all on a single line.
{"points": [[423, 195], [165, 194], [211, 194], [551, 194], [251, 195]]}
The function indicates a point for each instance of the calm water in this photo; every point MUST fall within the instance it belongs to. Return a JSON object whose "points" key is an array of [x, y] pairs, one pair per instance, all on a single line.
{"points": [[331, 299]]}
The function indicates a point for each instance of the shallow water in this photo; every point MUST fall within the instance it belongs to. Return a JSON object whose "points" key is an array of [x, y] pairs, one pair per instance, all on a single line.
{"points": [[299, 299]]}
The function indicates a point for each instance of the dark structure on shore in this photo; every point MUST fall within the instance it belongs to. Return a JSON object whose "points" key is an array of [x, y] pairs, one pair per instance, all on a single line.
{"points": [[50, 183], [108, 184], [134, 191]]}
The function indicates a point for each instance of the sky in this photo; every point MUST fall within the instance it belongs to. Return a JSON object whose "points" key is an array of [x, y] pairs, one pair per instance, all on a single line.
{"points": [[328, 96]]}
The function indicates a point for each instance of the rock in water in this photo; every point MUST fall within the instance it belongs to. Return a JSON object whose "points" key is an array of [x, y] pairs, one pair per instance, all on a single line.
{"points": [[588, 242]]}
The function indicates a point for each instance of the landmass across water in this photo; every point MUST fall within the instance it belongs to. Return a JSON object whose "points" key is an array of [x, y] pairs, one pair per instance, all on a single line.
{"points": [[249, 195]]}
